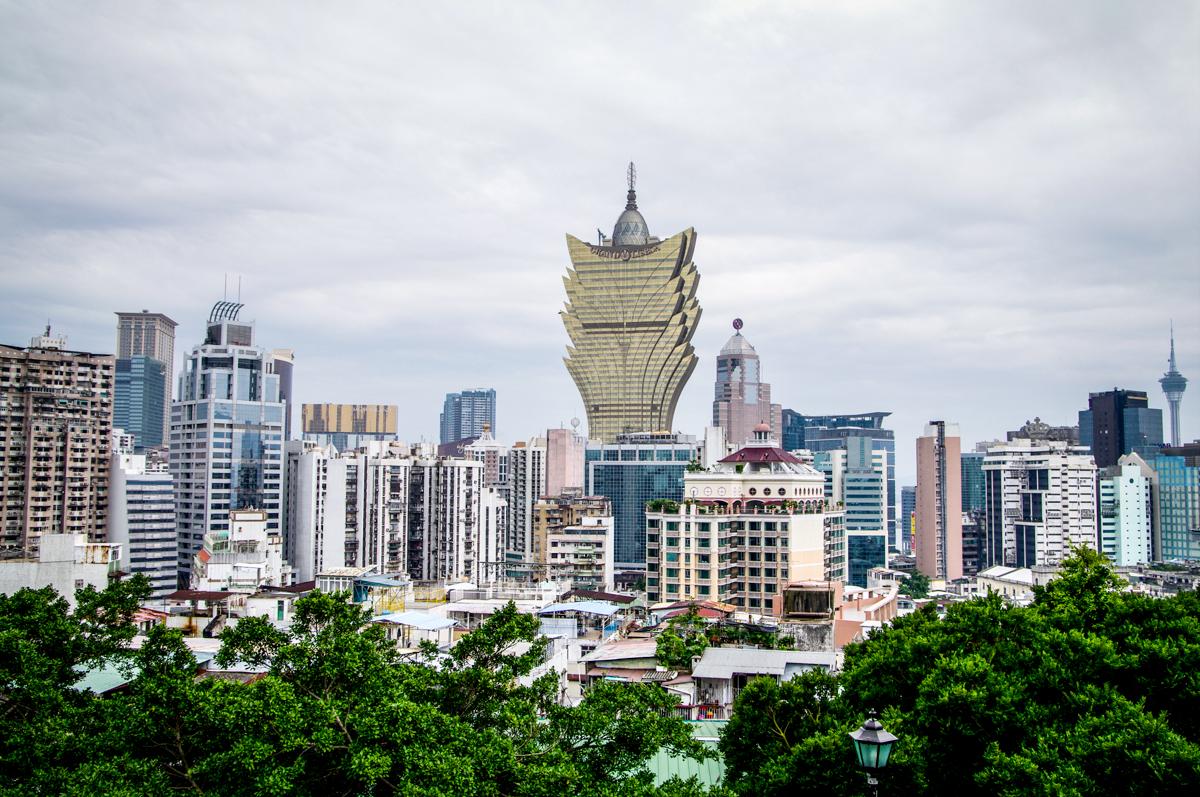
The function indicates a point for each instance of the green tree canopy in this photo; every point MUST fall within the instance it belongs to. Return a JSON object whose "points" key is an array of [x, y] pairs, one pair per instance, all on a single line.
{"points": [[339, 711], [1090, 690]]}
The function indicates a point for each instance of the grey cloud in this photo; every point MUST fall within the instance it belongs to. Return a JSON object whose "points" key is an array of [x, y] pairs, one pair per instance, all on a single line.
{"points": [[947, 210]]}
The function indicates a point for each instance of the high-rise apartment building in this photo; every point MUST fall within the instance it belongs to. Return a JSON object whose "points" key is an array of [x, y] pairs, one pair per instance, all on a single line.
{"points": [[830, 432], [1177, 507], [1119, 422], [494, 456], [526, 484], [152, 336], [141, 519], [464, 414], [139, 400], [564, 460], [741, 400], [939, 502], [1041, 501], [631, 312], [395, 508], [748, 527], [1173, 384], [227, 429], [635, 469], [348, 426], [1126, 511], [55, 442], [856, 479]]}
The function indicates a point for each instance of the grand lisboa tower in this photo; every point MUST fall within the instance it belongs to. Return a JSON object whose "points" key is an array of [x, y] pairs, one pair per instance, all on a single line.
{"points": [[631, 312]]}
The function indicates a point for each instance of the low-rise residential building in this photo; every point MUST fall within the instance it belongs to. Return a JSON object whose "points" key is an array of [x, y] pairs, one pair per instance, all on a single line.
{"points": [[243, 558], [66, 562], [755, 522], [721, 673], [583, 552]]}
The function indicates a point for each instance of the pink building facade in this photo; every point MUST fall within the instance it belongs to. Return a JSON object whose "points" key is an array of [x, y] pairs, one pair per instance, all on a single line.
{"points": [[564, 461], [939, 502]]}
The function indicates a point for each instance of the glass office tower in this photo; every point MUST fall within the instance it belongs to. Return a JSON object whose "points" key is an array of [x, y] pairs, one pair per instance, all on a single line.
{"points": [[227, 431], [139, 400], [635, 469]]}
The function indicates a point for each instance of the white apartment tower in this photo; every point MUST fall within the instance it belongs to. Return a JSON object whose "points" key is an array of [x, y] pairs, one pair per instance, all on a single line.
{"points": [[1040, 500], [141, 519], [1126, 507], [527, 483], [393, 508], [227, 430]]}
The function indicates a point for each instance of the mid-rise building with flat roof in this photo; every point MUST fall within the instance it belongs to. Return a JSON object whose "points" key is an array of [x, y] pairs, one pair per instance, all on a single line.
{"points": [[55, 442], [754, 523], [141, 519], [1126, 512], [348, 426], [1041, 501]]}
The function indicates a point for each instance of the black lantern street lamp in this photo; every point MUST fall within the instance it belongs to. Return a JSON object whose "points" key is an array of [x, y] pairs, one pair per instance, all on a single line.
{"points": [[873, 745]]}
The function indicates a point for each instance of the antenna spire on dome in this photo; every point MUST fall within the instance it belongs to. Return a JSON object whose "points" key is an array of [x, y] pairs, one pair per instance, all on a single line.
{"points": [[631, 179]]}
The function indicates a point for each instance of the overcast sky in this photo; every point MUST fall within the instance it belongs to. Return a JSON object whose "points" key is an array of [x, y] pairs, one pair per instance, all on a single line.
{"points": [[977, 212]]}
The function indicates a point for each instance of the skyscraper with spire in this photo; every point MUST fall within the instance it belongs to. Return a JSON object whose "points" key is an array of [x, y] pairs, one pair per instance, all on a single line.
{"points": [[631, 312], [1173, 384]]}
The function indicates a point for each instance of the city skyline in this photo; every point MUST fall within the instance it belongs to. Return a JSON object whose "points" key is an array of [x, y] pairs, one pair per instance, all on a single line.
{"points": [[878, 185]]}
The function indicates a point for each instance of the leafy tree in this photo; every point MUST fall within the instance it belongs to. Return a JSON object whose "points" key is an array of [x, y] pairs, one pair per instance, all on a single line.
{"points": [[684, 638], [915, 586], [1090, 690], [339, 711]]}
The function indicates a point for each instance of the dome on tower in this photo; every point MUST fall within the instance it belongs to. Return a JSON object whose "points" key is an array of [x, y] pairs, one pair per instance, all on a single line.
{"points": [[631, 228]]}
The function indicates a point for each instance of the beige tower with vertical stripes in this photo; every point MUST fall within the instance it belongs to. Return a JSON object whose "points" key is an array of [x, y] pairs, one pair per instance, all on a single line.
{"points": [[631, 312]]}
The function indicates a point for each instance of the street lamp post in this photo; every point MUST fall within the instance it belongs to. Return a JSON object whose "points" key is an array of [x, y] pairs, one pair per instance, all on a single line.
{"points": [[873, 745]]}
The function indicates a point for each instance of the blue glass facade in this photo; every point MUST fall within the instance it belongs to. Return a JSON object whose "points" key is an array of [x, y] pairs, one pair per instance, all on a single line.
{"points": [[974, 489], [139, 400], [864, 551], [631, 473], [823, 433], [464, 414], [1178, 507]]}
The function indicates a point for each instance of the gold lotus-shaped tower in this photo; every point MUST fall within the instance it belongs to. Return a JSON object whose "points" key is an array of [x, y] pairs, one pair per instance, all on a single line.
{"points": [[631, 312]]}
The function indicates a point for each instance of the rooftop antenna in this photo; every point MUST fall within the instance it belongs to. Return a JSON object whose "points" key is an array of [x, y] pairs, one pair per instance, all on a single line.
{"points": [[48, 329], [225, 290], [631, 176], [239, 288]]}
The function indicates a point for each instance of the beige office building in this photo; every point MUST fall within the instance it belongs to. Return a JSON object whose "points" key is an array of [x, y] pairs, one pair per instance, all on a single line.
{"points": [[631, 312], [55, 442], [348, 426]]}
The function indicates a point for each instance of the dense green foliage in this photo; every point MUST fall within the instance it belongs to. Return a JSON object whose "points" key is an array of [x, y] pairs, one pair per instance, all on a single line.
{"points": [[339, 712], [915, 586], [1088, 691], [687, 635]]}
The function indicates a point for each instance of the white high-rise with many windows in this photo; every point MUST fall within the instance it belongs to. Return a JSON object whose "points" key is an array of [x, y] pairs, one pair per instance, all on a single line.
{"points": [[1040, 500], [141, 519], [227, 430]]}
